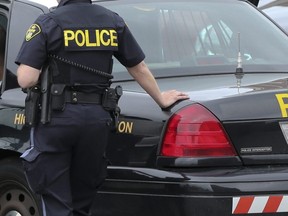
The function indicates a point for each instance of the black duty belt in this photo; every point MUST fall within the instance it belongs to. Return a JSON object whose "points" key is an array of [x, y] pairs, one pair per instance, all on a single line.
{"points": [[82, 97]]}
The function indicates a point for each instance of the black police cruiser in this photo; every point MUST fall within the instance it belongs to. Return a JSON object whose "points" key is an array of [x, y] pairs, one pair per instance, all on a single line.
{"points": [[223, 152]]}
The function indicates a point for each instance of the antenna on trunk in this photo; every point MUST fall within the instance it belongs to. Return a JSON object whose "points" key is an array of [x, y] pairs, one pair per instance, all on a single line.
{"points": [[239, 70]]}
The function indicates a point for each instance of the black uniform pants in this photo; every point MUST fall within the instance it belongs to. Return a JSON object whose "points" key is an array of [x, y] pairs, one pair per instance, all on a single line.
{"points": [[66, 162]]}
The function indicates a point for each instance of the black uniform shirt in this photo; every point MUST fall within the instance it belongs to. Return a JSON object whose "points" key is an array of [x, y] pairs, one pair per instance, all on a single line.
{"points": [[45, 36]]}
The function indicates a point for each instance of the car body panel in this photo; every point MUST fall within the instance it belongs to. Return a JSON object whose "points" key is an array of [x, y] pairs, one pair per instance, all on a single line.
{"points": [[185, 192]]}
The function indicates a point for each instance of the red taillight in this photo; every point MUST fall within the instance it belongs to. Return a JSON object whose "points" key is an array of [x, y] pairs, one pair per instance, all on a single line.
{"points": [[195, 132]]}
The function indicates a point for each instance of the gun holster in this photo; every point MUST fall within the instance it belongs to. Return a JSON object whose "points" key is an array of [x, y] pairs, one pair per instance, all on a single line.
{"points": [[32, 105], [111, 97]]}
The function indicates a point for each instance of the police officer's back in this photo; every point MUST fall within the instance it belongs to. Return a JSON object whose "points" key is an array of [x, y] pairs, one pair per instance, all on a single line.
{"points": [[66, 162]]}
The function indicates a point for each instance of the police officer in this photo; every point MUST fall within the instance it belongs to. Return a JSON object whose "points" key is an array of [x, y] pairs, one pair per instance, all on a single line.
{"points": [[66, 162]]}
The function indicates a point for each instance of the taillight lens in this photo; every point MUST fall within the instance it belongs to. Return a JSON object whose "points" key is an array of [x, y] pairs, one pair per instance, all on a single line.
{"points": [[195, 132]]}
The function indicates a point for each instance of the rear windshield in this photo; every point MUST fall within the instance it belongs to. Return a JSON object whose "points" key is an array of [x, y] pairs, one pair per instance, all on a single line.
{"points": [[204, 37]]}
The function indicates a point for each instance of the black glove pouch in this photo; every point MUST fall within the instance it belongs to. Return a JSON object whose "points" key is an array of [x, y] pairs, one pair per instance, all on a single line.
{"points": [[58, 97]]}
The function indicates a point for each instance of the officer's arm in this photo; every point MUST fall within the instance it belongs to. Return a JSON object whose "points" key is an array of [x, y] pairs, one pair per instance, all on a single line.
{"points": [[27, 76], [144, 77]]}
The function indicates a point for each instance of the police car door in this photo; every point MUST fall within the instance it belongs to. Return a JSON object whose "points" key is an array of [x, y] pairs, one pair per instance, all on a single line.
{"points": [[21, 15]]}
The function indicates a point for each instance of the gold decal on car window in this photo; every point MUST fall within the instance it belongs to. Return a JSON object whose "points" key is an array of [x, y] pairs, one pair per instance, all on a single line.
{"points": [[283, 103]]}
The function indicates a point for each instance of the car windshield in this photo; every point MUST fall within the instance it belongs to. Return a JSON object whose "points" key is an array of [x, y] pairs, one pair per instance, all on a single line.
{"points": [[203, 36]]}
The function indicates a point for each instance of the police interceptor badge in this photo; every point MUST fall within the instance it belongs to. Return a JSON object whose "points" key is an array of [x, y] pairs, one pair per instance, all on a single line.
{"points": [[32, 31]]}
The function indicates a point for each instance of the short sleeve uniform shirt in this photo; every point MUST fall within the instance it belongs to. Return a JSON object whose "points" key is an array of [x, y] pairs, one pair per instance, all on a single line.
{"points": [[45, 36]]}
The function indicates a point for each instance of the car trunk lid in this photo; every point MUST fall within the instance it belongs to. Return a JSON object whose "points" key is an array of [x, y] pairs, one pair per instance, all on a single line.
{"points": [[256, 122]]}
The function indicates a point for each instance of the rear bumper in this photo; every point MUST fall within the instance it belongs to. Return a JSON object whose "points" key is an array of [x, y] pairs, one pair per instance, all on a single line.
{"points": [[181, 206], [205, 192]]}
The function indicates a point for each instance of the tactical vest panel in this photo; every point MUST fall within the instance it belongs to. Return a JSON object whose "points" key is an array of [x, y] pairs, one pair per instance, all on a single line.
{"points": [[90, 35]]}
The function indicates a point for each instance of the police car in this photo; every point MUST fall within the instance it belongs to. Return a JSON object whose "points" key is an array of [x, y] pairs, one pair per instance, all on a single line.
{"points": [[223, 152]]}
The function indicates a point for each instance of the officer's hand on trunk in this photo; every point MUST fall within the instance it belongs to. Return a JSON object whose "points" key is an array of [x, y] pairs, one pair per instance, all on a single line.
{"points": [[170, 97]]}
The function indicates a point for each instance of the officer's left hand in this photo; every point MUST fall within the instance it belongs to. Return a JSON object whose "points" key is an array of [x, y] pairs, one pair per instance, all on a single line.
{"points": [[171, 96]]}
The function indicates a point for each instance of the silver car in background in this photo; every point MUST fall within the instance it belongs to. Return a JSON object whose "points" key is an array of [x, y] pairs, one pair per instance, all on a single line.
{"points": [[277, 10]]}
